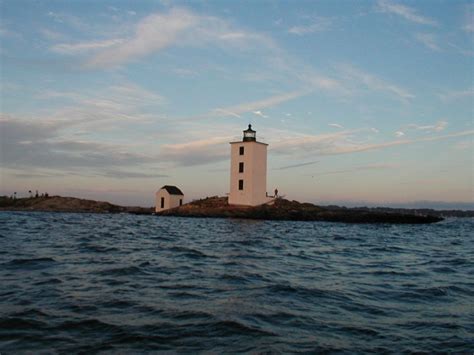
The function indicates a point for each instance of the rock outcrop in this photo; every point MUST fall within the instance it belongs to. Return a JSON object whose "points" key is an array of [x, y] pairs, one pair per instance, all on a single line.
{"points": [[66, 204]]}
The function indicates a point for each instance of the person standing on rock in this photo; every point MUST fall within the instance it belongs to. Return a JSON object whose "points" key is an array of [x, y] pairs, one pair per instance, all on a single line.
{"points": [[276, 193]]}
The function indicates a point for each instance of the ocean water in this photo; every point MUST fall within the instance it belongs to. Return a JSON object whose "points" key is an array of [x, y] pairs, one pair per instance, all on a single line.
{"points": [[90, 283]]}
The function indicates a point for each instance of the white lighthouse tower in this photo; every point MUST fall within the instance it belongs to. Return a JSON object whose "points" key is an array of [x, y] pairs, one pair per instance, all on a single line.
{"points": [[248, 171]]}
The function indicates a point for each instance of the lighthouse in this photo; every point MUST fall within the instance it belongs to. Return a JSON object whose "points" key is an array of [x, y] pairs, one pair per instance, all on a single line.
{"points": [[248, 171]]}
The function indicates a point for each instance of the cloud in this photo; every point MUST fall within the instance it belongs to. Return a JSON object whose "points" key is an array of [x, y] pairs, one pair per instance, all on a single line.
{"points": [[71, 21], [297, 165], [428, 40], [256, 106], [337, 125], [181, 27], [457, 94], [5, 32], [153, 33], [308, 144], [36, 143], [358, 168], [368, 147], [224, 112], [319, 24], [120, 174], [343, 143], [469, 27], [121, 103], [50, 141], [84, 47], [196, 152], [406, 12], [399, 134], [51, 35], [351, 74], [438, 127], [469, 19], [259, 113]]}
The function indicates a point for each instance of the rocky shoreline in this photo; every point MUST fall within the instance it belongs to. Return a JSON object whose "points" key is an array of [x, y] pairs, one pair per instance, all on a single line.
{"points": [[218, 207], [66, 204]]}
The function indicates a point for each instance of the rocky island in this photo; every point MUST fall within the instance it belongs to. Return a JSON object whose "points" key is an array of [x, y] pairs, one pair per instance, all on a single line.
{"points": [[282, 209]]}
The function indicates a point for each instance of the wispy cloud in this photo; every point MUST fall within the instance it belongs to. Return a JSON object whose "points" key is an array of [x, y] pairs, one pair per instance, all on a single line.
{"points": [[317, 24], [27, 144], [351, 74], [438, 127], [457, 94], [399, 134], [178, 26], [259, 113], [196, 152], [122, 103], [223, 112], [368, 147], [406, 12], [358, 169], [469, 27], [70, 21], [257, 106], [297, 165], [343, 143], [461, 50], [51, 35], [84, 47], [336, 125], [469, 19], [120, 174], [6, 32], [428, 40], [152, 34]]}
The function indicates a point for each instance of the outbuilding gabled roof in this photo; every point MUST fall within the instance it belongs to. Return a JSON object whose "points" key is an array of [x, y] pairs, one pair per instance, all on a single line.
{"points": [[172, 190]]}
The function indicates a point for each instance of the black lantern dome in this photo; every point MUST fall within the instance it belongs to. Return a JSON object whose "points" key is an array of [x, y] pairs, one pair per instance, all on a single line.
{"points": [[250, 134]]}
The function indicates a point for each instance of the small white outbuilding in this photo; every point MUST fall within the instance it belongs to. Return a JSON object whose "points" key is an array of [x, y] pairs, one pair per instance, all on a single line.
{"points": [[168, 197]]}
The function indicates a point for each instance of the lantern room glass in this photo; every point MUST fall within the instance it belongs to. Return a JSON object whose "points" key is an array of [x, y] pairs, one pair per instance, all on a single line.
{"points": [[250, 134]]}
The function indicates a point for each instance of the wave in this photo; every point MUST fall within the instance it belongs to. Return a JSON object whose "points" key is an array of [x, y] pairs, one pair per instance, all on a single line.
{"points": [[32, 263], [189, 252], [121, 271], [17, 323]]}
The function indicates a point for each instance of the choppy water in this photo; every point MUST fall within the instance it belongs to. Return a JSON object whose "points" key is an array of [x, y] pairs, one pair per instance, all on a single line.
{"points": [[106, 283]]}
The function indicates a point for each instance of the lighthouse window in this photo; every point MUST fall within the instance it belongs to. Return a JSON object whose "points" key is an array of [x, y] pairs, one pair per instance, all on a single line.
{"points": [[241, 167], [241, 184], [241, 150]]}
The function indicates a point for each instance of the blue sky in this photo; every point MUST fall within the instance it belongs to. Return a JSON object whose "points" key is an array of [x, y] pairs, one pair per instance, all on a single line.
{"points": [[359, 101]]}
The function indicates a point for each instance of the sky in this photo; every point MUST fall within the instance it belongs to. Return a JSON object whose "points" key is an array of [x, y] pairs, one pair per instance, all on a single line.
{"points": [[361, 102]]}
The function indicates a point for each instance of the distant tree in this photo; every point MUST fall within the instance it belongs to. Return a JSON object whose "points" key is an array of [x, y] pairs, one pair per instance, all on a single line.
{"points": [[31, 194], [46, 195], [36, 195], [14, 195]]}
